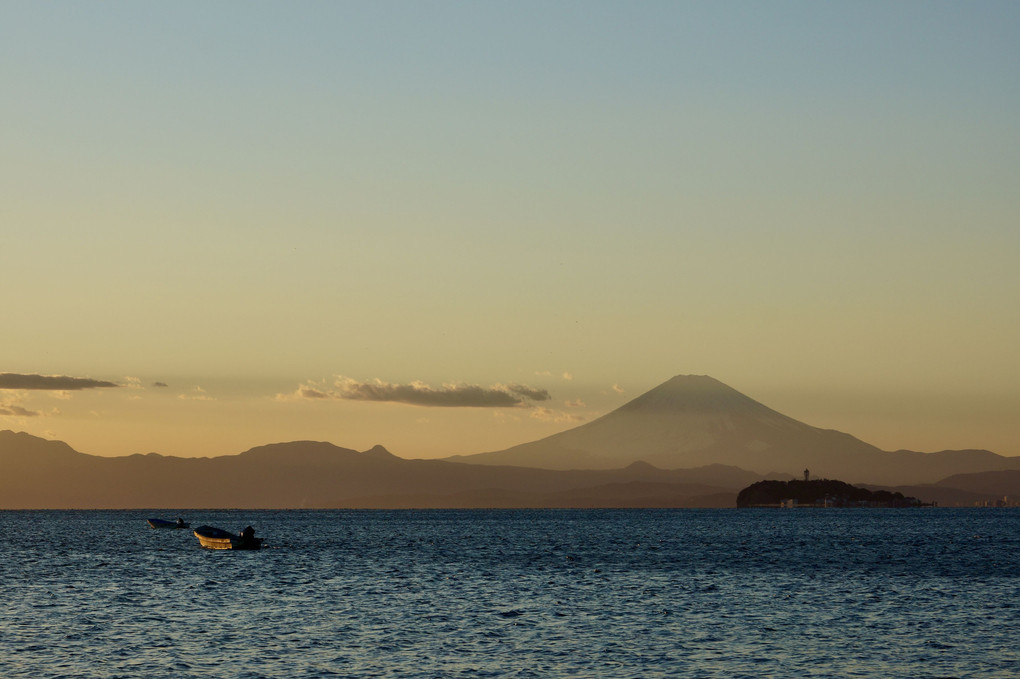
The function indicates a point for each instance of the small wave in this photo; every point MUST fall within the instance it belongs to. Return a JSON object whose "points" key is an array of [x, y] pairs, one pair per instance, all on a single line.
{"points": [[938, 645]]}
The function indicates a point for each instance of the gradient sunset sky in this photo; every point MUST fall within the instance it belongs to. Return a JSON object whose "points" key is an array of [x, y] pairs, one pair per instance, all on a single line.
{"points": [[452, 227]]}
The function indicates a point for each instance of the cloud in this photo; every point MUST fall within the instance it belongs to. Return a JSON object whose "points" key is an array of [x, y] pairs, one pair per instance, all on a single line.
{"points": [[577, 403], [312, 393], [50, 382], [160, 384], [448, 396], [617, 388], [13, 410], [527, 392], [196, 394], [421, 394], [547, 415]]}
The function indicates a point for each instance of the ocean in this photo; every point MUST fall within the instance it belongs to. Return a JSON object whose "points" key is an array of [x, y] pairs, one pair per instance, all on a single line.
{"points": [[927, 592]]}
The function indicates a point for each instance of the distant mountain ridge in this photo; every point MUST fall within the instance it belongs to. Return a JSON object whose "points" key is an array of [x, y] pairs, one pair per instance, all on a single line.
{"points": [[690, 442], [40, 474], [693, 420]]}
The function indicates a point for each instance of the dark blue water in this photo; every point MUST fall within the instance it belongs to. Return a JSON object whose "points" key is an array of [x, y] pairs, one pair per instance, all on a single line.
{"points": [[643, 593]]}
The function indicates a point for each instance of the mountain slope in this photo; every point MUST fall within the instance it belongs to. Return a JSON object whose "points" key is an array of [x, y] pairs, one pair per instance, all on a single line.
{"points": [[695, 420], [998, 484]]}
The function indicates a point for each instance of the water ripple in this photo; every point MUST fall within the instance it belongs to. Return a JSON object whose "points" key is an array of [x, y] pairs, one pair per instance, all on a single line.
{"points": [[868, 593]]}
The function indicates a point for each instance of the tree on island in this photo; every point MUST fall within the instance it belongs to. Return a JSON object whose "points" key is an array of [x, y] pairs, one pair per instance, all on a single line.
{"points": [[826, 492]]}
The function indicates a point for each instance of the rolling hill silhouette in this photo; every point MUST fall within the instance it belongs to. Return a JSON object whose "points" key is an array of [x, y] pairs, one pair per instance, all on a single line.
{"points": [[40, 474], [694, 420]]}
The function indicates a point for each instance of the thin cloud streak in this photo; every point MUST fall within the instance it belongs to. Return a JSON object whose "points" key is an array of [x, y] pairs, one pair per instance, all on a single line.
{"points": [[421, 394], [197, 393], [12, 410], [51, 382], [547, 415]]}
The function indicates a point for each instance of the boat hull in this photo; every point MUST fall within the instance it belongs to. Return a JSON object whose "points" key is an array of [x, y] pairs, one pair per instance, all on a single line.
{"points": [[163, 523]]}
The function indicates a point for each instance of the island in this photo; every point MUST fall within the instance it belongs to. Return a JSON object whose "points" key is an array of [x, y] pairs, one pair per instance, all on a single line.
{"points": [[819, 493]]}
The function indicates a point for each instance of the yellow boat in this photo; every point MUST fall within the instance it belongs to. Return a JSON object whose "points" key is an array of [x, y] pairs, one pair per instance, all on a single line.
{"points": [[217, 538]]}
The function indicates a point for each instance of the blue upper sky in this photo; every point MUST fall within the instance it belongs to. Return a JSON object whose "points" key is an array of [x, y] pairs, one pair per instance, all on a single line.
{"points": [[812, 202]]}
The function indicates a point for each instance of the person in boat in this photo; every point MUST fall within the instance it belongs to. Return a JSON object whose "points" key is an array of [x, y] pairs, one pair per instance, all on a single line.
{"points": [[248, 534], [180, 522]]}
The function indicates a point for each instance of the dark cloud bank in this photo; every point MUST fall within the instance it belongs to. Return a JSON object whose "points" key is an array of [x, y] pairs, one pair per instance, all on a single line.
{"points": [[453, 396], [50, 382]]}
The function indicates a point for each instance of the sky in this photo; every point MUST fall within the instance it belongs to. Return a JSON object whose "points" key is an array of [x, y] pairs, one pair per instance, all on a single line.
{"points": [[452, 227]]}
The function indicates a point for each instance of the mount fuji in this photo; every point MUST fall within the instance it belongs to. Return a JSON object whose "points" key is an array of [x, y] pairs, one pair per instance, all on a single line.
{"points": [[696, 420]]}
